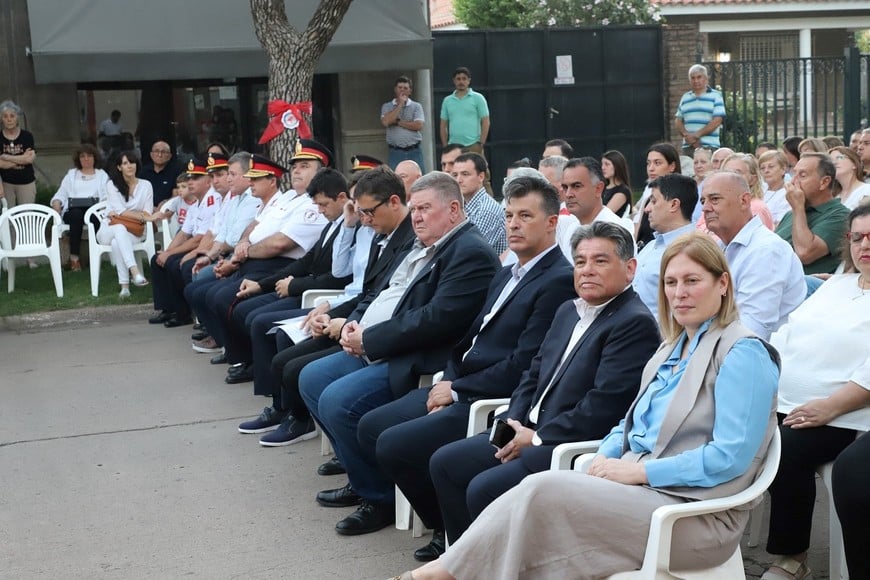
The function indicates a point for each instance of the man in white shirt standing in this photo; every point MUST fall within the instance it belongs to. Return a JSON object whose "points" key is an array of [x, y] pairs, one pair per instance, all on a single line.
{"points": [[403, 118], [768, 276]]}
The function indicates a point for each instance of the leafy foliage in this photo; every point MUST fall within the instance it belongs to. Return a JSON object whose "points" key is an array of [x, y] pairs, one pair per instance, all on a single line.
{"points": [[489, 13], [543, 13]]}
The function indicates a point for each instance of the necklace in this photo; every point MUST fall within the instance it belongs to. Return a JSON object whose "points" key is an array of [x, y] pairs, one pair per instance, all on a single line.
{"points": [[863, 291]]}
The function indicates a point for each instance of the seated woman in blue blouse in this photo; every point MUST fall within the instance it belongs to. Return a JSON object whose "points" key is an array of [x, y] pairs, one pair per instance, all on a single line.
{"points": [[699, 429]]}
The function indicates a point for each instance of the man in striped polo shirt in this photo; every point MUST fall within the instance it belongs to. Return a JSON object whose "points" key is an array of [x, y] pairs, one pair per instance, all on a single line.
{"points": [[700, 114]]}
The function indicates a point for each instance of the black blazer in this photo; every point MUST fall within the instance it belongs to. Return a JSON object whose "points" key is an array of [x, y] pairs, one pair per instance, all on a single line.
{"points": [[313, 270], [600, 378], [505, 347], [434, 312], [381, 269]]}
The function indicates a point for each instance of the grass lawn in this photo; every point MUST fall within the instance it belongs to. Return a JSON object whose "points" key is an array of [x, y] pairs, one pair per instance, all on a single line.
{"points": [[34, 290]]}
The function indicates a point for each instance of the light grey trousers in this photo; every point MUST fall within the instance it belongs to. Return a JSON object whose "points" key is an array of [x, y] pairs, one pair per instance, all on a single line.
{"points": [[565, 524]]}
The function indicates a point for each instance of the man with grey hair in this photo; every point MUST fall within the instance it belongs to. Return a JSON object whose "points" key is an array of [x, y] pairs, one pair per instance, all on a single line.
{"points": [[585, 375], [765, 295], [700, 113], [552, 168], [407, 330], [582, 186], [816, 224]]}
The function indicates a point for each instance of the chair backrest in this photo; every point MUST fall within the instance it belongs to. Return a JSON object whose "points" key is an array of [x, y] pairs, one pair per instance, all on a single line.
{"points": [[27, 224], [99, 209]]}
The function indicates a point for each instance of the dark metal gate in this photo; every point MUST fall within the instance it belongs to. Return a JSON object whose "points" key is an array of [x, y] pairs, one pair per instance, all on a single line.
{"points": [[769, 100], [611, 98]]}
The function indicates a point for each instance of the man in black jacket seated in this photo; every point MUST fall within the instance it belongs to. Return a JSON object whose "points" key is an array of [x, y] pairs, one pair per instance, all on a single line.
{"points": [[380, 198], [408, 330], [580, 384], [281, 291], [487, 363]]}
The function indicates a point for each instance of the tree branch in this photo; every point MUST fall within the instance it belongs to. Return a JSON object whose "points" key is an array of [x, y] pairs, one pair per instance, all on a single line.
{"points": [[323, 24]]}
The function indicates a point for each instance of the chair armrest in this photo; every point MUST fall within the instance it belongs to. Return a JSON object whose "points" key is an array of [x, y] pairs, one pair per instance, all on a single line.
{"points": [[479, 413], [564, 454], [309, 297], [429, 380]]}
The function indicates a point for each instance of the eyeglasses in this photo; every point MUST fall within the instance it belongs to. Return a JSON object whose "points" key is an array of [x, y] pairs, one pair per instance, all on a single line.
{"points": [[161, 151], [857, 237], [370, 211]]}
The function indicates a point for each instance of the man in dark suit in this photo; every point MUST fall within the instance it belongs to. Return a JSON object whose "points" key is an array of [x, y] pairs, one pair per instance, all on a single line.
{"points": [[380, 199], [487, 363], [408, 330], [280, 292], [581, 382]]}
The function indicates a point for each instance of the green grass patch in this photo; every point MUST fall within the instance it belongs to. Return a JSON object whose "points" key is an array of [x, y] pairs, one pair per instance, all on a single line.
{"points": [[34, 290]]}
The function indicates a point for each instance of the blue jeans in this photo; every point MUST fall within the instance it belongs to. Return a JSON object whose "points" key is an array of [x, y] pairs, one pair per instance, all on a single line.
{"points": [[338, 390], [397, 156]]}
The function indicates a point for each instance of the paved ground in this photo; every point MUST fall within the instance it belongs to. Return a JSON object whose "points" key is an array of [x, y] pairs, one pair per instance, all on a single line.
{"points": [[119, 458]]}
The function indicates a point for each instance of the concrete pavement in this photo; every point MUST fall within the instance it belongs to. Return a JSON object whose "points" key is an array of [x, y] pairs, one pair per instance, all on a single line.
{"points": [[119, 458]]}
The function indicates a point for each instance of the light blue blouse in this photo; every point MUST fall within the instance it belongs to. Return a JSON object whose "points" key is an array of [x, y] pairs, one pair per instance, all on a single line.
{"points": [[744, 390]]}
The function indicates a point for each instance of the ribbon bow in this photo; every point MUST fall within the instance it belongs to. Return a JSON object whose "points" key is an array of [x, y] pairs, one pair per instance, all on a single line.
{"points": [[284, 115]]}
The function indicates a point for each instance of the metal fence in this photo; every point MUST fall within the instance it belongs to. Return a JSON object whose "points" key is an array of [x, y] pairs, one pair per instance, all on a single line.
{"points": [[769, 100]]}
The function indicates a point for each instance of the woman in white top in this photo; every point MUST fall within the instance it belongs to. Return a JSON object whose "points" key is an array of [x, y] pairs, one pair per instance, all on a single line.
{"points": [[824, 400], [773, 166], [850, 177], [134, 198], [82, 187]]}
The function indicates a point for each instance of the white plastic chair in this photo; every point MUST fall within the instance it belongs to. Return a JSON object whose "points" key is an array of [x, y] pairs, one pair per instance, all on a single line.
{"points": [[96, 250], [27, 224], [310, 299], [657, 558], [406, 517]]}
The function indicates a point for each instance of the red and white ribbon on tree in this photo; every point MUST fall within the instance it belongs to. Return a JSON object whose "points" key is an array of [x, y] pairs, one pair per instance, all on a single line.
{"points": [[284, 115]]}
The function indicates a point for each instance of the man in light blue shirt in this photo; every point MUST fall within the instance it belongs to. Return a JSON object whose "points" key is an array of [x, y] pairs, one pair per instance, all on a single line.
{"points": [[768, 276], [670, 206]]}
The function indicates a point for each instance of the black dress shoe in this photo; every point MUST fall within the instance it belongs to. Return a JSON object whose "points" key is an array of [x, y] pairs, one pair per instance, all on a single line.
{"points": [[243, 376], [369, 517], [331, 467], [432, 550], [219, 359], [199, 335], [239, 369], [160, 318], [175, 321], [341, 497]]}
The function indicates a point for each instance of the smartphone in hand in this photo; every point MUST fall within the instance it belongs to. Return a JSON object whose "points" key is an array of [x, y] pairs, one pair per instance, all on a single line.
{"points": [[501, 433]]}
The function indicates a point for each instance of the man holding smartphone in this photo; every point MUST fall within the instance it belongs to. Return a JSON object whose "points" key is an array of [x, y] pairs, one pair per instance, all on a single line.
{"points": [[488, 362], [581, 382]]}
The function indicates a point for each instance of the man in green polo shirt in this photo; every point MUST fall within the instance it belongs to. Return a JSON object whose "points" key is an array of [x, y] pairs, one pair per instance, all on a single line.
{"points": [[464, 115], [816, 224]]}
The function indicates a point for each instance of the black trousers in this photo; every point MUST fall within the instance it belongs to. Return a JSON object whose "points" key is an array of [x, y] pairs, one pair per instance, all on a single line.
{"points": [[851, 482], [403, 438], [75, 218], [286, 366], [468, 477], [169, 286], [793, 492]]}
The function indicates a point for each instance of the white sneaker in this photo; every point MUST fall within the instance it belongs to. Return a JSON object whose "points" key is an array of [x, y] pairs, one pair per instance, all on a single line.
{"points": [[124, 293], [139, 280]]}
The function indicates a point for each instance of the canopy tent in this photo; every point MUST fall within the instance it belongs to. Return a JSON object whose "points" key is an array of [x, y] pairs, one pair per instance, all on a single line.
{"points": [[108, 40]]}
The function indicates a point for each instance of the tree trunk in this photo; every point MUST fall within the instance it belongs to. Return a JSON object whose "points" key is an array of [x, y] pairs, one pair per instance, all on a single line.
{"points": [[293, 56]]}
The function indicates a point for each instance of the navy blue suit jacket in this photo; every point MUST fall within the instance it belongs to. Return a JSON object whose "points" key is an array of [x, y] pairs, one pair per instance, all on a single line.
{"points": [[434, 312], [506, 345], [598, 381]]}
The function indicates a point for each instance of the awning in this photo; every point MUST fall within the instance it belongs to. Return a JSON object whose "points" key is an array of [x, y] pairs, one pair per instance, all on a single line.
{"points": [[111, 40]]}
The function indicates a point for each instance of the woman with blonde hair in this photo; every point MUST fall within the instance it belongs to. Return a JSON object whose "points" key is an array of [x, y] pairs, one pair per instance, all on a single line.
{"points": [[812, 145], [850, 173], [565, 524], [773, 167]]}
